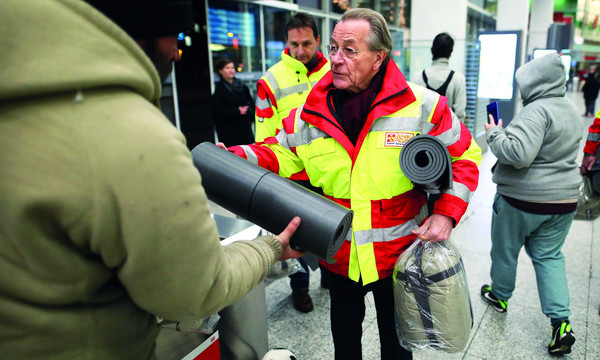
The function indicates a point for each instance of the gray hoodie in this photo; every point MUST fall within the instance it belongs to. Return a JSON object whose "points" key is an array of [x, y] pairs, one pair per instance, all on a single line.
{"points": [[537, 151]]}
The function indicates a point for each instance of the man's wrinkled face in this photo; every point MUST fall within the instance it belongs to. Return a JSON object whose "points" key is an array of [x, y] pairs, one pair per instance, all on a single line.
{"points": [[163, 52], [353, 73], [302, 43]]}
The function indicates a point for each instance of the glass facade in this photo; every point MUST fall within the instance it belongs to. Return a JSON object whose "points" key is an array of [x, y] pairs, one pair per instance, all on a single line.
{"points": [[587, 26], [396, 12], [339, 6], [313, 4], [252, 34], [235, 34]]}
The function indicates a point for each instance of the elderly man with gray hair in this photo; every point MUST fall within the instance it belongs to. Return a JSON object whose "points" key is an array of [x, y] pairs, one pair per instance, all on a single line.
{"points": [[348, 137]]}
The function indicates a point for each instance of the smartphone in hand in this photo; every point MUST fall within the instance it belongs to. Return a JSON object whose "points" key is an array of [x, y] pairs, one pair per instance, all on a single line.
{"points": [[492, 109]]}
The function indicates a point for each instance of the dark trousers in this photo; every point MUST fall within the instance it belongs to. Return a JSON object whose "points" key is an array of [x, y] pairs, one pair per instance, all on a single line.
{"points": [[590, 106], [300, 280], [348, 312]]}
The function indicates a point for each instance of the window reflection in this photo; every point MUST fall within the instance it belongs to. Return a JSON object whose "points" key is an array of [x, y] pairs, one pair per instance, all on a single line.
{"points": [[275, 21], [315, 4], [395, 12], [340, 6], [235, 35]]}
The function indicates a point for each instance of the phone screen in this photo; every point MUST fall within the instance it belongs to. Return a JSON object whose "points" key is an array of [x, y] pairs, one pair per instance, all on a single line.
{"points": [[492, 109]]}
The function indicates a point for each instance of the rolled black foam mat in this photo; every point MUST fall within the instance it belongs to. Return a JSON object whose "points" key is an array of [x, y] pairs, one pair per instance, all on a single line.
{"points": [[270, 201], [426, 162]]}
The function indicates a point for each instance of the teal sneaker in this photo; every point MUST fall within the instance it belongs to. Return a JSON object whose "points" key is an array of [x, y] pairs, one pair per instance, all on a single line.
{"points": [[562, 339], [498, 305]]}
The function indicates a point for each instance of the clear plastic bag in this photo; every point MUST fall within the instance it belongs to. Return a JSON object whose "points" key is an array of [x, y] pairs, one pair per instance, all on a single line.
{"points": [[284, 268], [588, 204], [431, 298], [203, 326]]}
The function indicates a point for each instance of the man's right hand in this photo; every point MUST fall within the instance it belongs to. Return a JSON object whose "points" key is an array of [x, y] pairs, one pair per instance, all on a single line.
{"points": [[284, 238], [221, 145]]}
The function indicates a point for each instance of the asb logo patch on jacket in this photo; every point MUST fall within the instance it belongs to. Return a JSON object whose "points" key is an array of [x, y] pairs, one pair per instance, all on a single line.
{"points": [[397, 139]]}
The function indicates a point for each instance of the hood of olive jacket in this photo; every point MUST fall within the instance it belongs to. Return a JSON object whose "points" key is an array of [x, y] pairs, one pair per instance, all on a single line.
{"points": [[541, 78], [103, 221], [115, 58]]}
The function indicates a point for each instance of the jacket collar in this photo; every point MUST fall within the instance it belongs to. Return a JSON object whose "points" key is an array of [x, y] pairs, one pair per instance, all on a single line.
{"points": [[299, 66], [441, 61], [395, 94]]}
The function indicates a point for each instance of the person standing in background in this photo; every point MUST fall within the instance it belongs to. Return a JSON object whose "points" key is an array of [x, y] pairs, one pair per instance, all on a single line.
{"points": [[443, 80], [537, 190], [592, 145], [282, 88], [590, 88], [286, 84], [232, 106]]}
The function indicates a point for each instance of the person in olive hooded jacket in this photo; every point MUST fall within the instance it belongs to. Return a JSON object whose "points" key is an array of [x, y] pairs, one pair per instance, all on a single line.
{"points": [[538, 186], [104, 224]]}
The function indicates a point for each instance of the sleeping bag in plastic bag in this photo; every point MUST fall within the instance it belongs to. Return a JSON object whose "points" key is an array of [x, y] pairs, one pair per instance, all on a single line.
{"points": [[431, 297], [588, 204]]}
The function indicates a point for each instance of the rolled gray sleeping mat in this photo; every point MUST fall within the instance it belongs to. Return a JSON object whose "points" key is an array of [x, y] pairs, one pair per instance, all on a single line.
{"points": [[426, 162], [271, 201]]}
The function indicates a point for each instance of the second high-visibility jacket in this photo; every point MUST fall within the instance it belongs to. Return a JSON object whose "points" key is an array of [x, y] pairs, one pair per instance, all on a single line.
{"points": [[282, 88], [366, 177], [593, 138]]}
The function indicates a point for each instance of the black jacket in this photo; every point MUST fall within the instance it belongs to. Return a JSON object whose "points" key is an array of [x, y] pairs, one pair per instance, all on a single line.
{"points": [[591, 87], [233, 128]]}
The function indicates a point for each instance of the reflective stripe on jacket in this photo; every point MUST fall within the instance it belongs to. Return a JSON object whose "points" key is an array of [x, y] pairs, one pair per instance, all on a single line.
{"points": [[367, 177], [283, 87]]}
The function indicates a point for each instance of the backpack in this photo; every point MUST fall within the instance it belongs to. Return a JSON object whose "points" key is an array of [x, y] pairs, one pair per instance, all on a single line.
{"points": [[442, 89]]}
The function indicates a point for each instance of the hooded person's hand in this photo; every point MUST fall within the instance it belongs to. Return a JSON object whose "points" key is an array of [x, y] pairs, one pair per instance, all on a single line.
{"points": [[491, 123], [284, 238]]}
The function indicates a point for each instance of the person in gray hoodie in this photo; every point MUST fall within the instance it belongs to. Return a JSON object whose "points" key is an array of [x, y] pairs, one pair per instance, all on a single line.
{"points": [[537, 181]]}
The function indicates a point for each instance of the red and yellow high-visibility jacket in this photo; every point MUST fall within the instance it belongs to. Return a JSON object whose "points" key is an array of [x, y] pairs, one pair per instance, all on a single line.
{"points": [[282, 88], [593, 139], [367, 177]]}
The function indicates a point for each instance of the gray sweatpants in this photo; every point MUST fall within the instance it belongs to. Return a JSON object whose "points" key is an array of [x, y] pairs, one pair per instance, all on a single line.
{"points": [[543, 237]]}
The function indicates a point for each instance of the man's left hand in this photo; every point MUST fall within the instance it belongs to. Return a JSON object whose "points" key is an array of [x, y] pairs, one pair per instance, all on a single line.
{"points": [[436, 228], [587, 163]]}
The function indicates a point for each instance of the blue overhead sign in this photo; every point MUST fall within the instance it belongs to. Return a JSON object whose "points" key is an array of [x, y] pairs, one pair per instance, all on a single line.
{"points": [[231, 27]]}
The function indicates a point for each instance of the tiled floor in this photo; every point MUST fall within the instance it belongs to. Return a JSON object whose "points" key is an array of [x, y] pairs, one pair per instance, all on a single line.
{"points": [[521, 333]]}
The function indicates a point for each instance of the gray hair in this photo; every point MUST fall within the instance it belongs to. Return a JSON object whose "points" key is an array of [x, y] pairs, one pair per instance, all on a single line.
{"points": [[380, 38]]}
